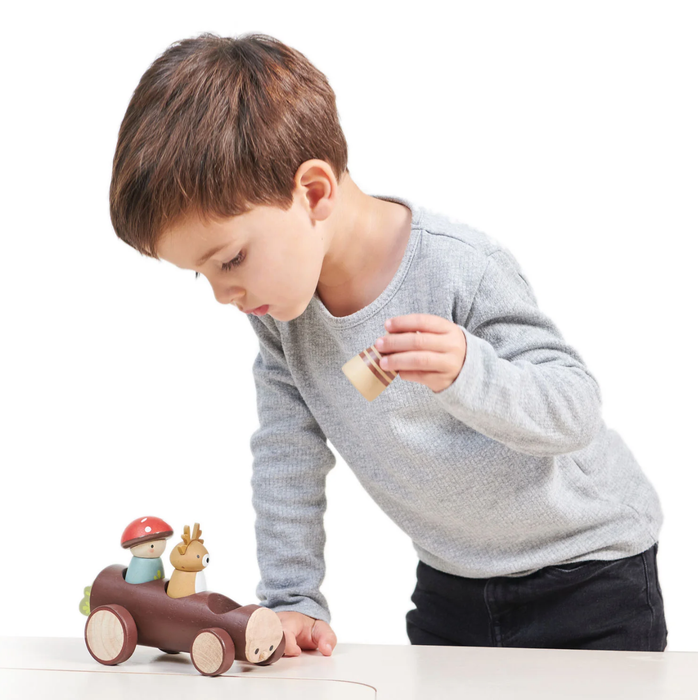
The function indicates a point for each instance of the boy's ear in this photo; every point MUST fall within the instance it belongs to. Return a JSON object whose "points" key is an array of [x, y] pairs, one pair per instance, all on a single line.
{"points": [[317, 178]]}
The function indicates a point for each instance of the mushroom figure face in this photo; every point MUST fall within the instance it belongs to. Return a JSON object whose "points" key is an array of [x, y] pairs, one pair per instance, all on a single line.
{"points": [[149, 550]]}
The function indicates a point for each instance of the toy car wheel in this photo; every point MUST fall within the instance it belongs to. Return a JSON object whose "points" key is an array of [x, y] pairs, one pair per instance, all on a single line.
{"points": [[212, 651], [111, 634]]}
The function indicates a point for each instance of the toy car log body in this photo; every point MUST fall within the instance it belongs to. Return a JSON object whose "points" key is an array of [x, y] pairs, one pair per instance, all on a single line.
{"points": [[210, 626]]}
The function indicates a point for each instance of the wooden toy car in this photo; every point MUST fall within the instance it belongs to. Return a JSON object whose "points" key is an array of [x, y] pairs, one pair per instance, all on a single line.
{"points": [[214, 629]]}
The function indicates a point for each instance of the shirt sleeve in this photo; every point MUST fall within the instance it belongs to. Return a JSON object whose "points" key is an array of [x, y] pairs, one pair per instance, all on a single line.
{"points": [[291, 460], [521, 384]]}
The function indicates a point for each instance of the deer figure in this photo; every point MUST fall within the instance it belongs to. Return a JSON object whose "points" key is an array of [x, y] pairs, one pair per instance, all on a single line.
{"points": [[189, 559]]}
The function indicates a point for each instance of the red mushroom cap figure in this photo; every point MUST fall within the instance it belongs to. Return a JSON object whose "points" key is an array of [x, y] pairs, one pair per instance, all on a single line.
{"points": [[145, 537]]}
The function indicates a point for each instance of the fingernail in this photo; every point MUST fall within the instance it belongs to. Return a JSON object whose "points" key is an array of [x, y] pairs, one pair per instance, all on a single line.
{"points": [[388, 323], [379, 343]]}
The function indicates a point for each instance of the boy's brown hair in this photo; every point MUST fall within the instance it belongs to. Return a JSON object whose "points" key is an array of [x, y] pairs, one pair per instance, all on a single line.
{"points": [[216, 126]]}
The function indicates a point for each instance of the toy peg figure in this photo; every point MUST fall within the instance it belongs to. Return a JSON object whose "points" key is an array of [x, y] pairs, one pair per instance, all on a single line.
{"points": [[366, 374], [189, 559], [145, 537]]}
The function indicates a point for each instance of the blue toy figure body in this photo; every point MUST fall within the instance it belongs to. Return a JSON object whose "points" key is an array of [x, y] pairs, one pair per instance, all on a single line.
{"points": [[141, 570]]}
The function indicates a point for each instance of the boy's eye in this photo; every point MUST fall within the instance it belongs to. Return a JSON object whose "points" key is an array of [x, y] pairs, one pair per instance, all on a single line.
{"points": [[234, 262], [229, 265]]}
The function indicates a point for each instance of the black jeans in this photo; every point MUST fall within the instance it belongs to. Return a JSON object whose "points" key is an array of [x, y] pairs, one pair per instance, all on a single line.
{"points": [[616, 605]]}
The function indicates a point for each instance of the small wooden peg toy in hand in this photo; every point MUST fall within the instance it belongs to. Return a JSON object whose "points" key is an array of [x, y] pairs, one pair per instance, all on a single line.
{"points": [[145, 537], [189, 559], [421, 348], [366, 374]]}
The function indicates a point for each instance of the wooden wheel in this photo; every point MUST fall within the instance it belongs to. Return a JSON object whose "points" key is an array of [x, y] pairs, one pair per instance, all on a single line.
{"points": [[212, 651], [110, 634]]}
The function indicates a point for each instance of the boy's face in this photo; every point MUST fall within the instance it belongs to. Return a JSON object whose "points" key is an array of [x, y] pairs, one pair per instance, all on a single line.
{"points": [[265, 256]]}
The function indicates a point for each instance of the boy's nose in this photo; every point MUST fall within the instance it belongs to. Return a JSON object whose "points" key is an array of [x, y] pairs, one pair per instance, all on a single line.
{"points": [[227, 296]]}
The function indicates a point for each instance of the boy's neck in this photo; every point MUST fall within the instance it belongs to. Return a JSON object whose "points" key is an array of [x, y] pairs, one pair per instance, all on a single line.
{"points": [[367, 237]]}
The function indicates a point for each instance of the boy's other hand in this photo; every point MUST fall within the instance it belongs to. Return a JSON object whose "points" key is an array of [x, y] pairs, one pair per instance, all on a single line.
{"points": [[423, 348], [304, 632]]}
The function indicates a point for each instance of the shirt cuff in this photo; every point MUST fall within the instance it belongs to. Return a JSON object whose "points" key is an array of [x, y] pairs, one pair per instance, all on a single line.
{"points": [[306, 607]]}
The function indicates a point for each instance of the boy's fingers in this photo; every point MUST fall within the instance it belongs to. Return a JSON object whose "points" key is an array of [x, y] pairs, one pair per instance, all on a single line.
{"points": [[303, 632], [398, 342], [292, 649], [429, 323], [293, 624], [418, 361]]}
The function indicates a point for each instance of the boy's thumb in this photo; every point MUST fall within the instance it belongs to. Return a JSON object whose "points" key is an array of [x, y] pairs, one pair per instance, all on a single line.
{"points": [[322, 636]]}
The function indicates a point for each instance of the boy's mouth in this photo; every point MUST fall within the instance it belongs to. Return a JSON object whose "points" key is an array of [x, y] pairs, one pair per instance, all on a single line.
{"points": [[259, 311]]}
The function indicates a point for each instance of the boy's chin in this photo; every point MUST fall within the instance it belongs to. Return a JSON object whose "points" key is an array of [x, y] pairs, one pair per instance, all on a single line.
{"points": [[287, 313]]}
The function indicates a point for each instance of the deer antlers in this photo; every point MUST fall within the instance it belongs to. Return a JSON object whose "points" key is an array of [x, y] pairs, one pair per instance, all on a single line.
{"points": [[187, 539]]}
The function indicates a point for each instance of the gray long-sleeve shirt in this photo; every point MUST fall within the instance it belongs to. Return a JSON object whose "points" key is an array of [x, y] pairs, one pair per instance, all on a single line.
{"points": [[509, 469]]}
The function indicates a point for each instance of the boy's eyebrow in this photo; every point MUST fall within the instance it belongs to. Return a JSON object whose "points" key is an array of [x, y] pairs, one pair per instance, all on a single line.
{"points": [[210, 253]]}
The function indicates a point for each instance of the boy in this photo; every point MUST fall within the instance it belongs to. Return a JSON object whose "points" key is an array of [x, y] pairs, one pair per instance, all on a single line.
{"points": [[533, 523]]}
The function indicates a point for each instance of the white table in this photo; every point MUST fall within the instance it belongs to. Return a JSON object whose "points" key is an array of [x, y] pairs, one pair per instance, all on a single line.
{"points": [[32, 668]]}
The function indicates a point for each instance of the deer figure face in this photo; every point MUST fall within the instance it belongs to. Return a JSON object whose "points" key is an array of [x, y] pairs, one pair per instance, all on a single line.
{"points": [[190, 554]]}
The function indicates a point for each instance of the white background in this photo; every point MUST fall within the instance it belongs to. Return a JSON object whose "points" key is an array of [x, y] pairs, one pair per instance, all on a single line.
{"points": [[567, 131]]}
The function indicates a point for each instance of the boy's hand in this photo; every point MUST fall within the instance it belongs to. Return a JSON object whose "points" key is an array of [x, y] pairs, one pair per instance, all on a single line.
{"points": [[303, 632], [423, 348]]}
